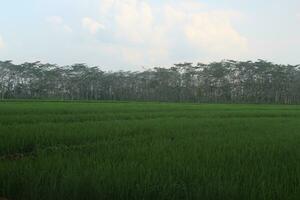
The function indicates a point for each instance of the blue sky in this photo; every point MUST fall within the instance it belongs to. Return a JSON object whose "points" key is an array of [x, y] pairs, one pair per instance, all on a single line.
{"points": [[132, 34]]}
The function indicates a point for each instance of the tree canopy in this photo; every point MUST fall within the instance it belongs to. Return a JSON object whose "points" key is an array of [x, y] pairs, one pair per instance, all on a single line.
{"points": [[227, 81]]}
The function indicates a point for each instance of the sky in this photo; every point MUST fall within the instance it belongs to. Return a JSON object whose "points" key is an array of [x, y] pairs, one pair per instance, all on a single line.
{"points": [[139, 34]]}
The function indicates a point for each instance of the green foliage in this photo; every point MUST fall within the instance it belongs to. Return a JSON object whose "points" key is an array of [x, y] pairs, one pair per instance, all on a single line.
{"points": [[217, 82], [51, 150]]}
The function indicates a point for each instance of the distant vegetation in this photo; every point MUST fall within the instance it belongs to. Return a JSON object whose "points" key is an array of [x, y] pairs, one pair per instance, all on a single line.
{"points": [[218, 82], [149, 151]]}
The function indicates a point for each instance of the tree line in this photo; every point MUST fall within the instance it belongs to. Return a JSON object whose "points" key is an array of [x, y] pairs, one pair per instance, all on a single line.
{"points": [[227, 81]]}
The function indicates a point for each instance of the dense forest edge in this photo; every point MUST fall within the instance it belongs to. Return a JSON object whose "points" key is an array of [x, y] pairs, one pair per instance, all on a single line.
{"points": [[226, 81]]}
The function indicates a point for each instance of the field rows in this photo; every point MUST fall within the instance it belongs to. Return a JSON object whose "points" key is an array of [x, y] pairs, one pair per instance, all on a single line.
{"points": [[149, 151]]}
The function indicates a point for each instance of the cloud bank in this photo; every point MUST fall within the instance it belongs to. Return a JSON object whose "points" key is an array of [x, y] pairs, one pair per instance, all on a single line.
{"points": [[92, 25], [145, 33]]}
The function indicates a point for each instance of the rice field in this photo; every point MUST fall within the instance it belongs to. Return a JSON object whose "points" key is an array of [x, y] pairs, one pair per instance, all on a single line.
{"points": [[110, 150]]}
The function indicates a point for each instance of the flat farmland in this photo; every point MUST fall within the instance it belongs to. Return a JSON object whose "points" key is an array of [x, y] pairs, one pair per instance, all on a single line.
{"points": [[111, 150]]}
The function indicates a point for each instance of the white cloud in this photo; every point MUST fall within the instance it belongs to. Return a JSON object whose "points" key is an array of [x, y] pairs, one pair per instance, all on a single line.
{"points": [[1, 43], [134, 25], [92, 25], [212, 31], [298, 16], [206, 31], [134, 20], [151, 34], [105, 6]]}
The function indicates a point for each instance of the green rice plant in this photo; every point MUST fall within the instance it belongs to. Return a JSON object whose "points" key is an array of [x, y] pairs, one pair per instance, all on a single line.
{"points": [[78, 150]]}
